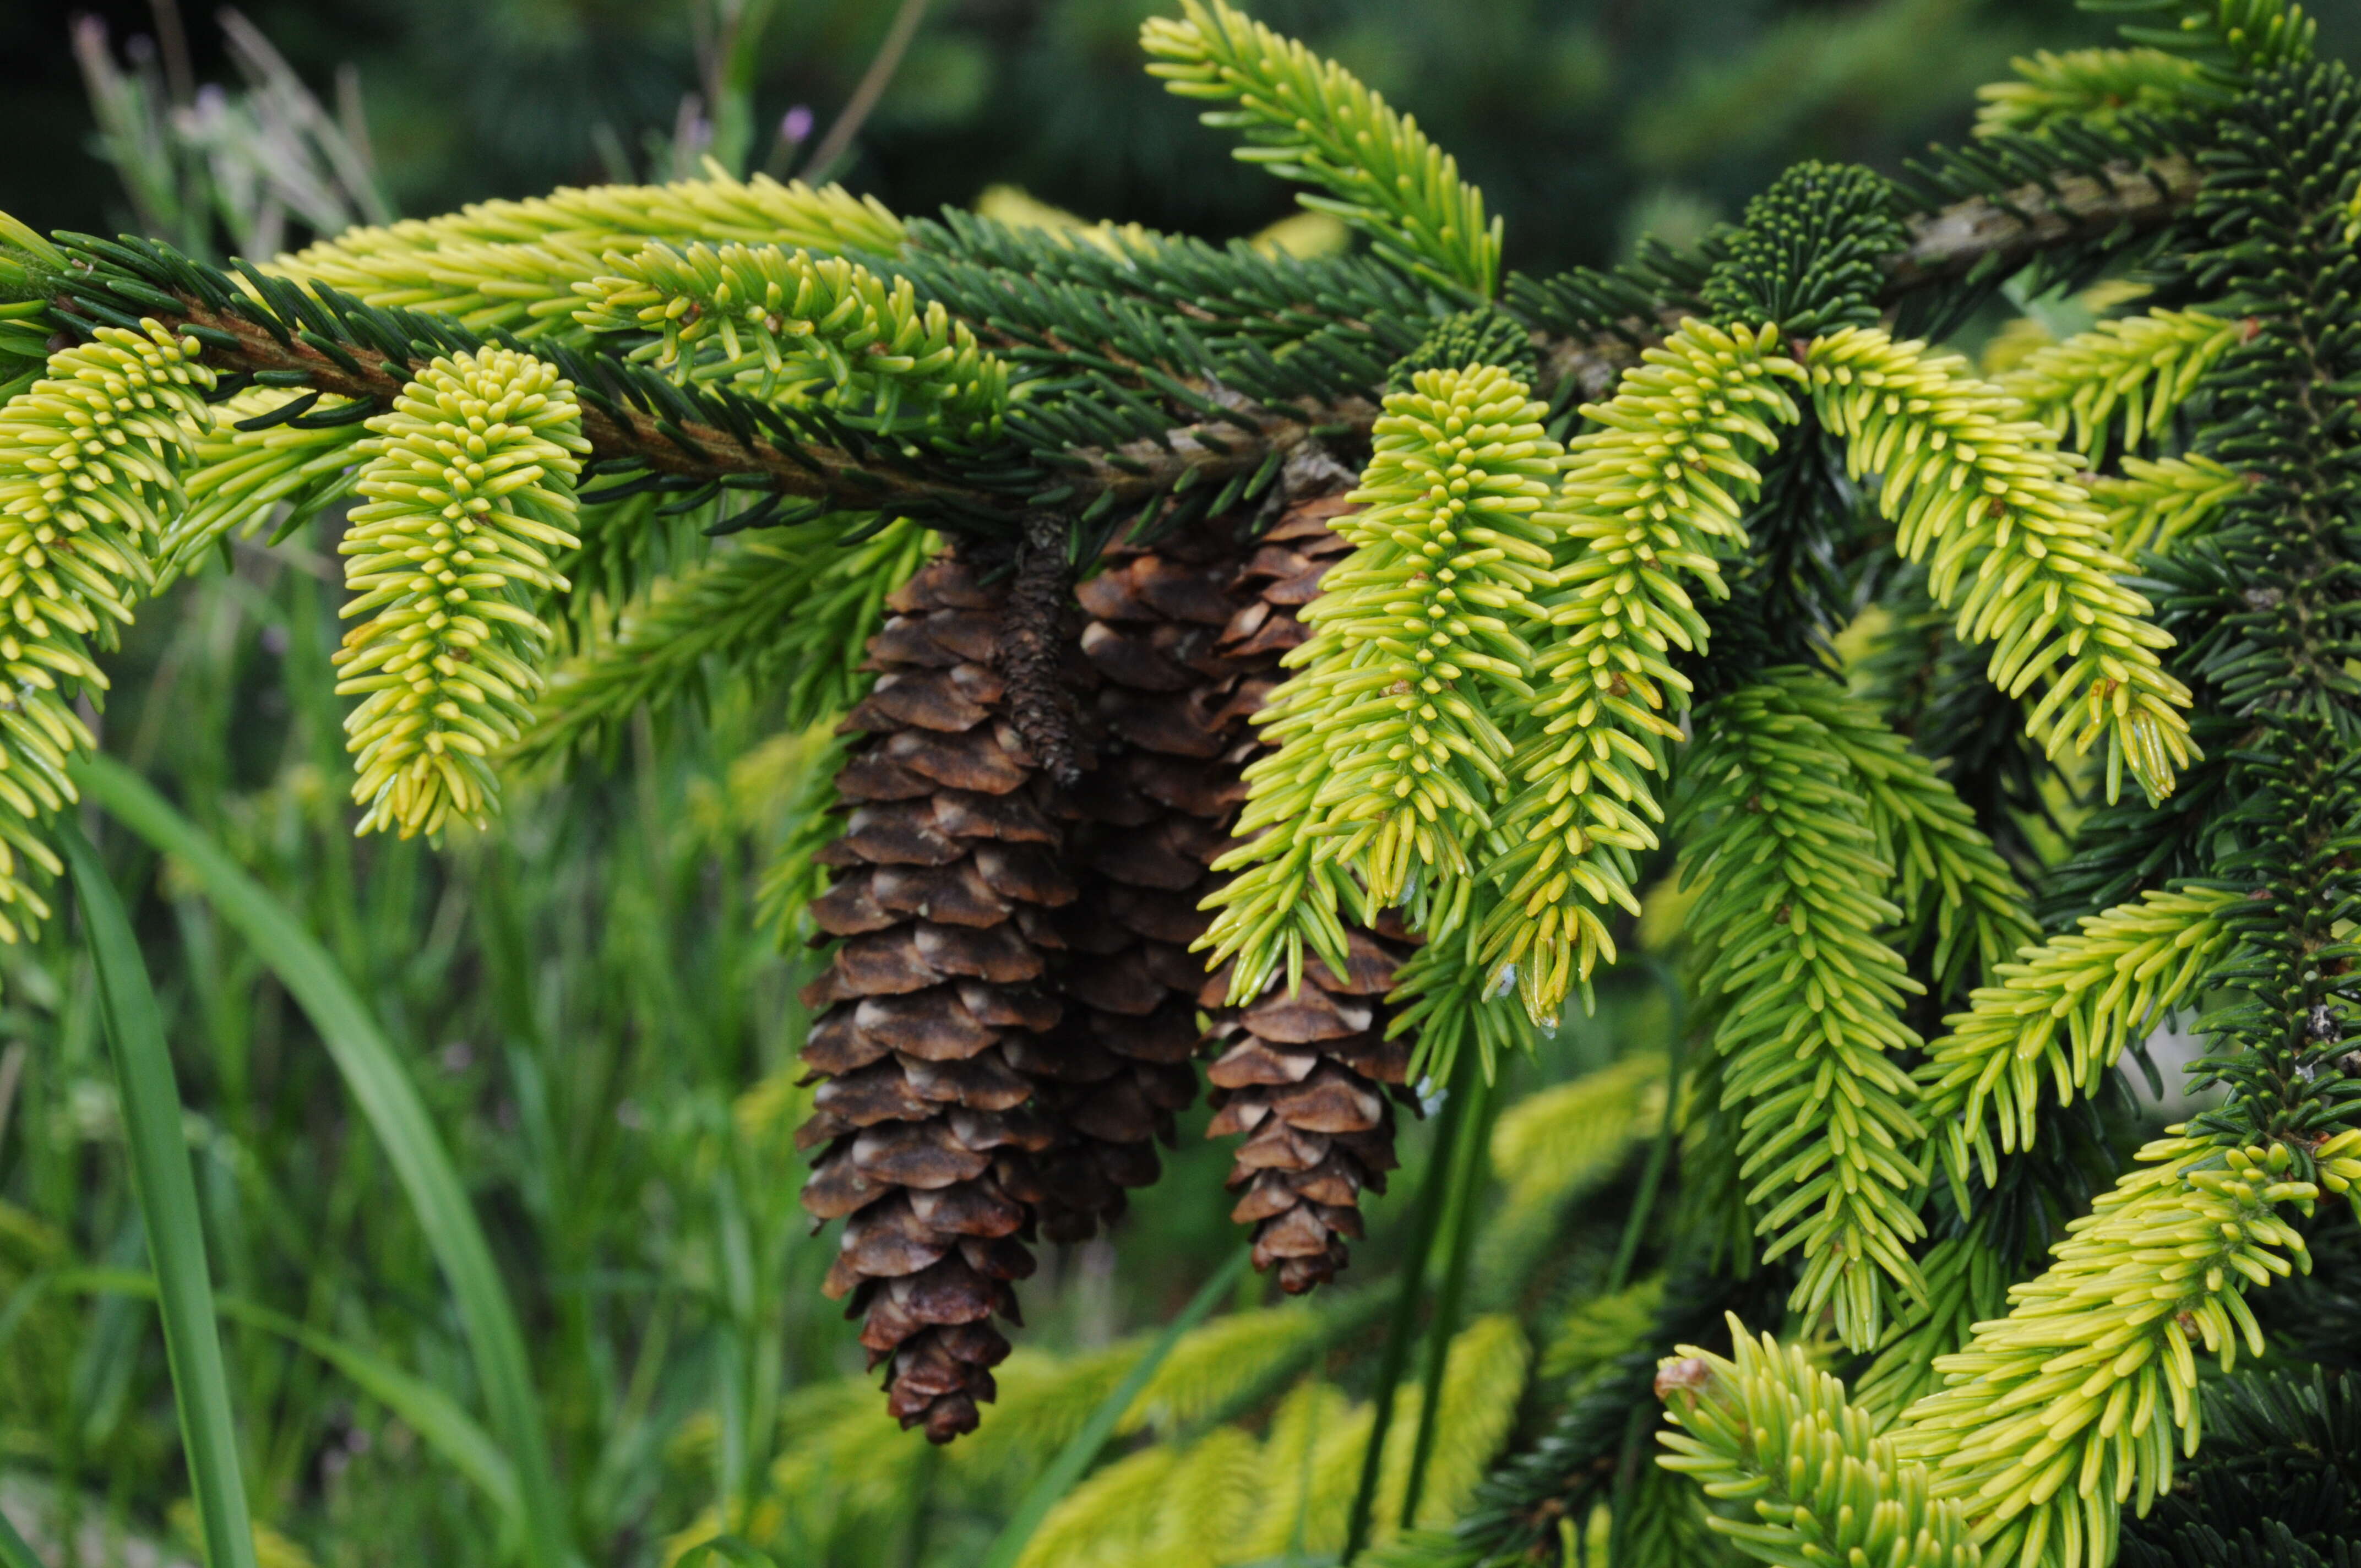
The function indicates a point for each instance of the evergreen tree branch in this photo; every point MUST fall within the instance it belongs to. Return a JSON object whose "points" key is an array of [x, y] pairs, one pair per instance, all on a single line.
{"points": [[1989, 501], [263, 450], [2057, 1416], [2065, 1012], [1994, 235], [469, 480], [92, 459], [513, 264], [700, 439], [1310, 120], [1771, 1433], [1654, 492], [2135, 371], [2156, 503], [1391, 742], [781, 325], [1948, 875], [794, 606], [1810, 1027], [2095, 87]]}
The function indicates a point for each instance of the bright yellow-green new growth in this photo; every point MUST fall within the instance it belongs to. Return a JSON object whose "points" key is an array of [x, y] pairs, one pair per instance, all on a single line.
{"points": [[2134, 371], [1810, 1025], [1310, 120], [471, 487], [1967, 1282], [2059, 1414], [2338, 1161], [1988, 500], [1653, 494], [513, 265], [90, 463], [1770, 1430], [236, 476], [1391, 741], [2095, 86], [2065, 1012], [2157, 502], [778, 323]]}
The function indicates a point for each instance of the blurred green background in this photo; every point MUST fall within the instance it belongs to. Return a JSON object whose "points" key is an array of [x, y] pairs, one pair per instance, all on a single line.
{"points": [[602, 1031], [1584, 122]]}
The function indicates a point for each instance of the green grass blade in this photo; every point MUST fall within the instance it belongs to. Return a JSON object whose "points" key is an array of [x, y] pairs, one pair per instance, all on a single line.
{"points": [[1425, 1218], [433, 1415], [1467, 1161], [383, 1090], [167, 1209], [14, 1552], [1076, 1456]]}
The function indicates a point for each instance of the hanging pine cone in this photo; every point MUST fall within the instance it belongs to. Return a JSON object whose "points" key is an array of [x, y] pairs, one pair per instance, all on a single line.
{"points": [[945, 881], [1149, 816], [1185, 642], [1305, 1077]]}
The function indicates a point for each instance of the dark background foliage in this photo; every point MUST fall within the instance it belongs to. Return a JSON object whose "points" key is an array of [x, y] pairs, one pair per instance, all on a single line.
{"points": [[1583, 120]]}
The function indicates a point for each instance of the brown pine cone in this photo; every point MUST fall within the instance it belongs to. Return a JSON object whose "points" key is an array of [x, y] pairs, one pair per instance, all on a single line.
{"points": [[946, 879], [1185, 640], [1305, 1077], [1149, 817]]}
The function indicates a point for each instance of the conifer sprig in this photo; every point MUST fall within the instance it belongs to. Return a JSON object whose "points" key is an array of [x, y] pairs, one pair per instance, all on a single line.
{"points": [[1309, 119], [2062, 1014], [780, 325], [236, 476], [2057, 1416], [1967, 1282], [1653, 493], [1771, 1433], [788, 608], [1987, 502], [1947, 874], [1810, 1027], [2156, 503], [470, 484], [514, 265], [2120, 382], [91, 462], [1391, 739], [2095, 87]]}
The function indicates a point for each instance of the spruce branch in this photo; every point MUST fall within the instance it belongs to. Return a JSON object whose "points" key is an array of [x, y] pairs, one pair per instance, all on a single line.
{"points": [[1966, 1283], [1310, 120], [92, 459], [788, 610], [780, 325], [1653, 492], [2057, 1416], [513, 265], [267, 446], [1992, 236], [1989, 502], [2093, 87], [2063, 1013], [1809, 1029], [2156, 503], [1766, 1430], [247, 328], [2131, 373], [1948, 876], [1391, 742], [469, 480]]}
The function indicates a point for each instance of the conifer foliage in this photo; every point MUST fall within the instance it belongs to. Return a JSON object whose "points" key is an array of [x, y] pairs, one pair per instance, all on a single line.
{"points": [[1313, 667]]}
